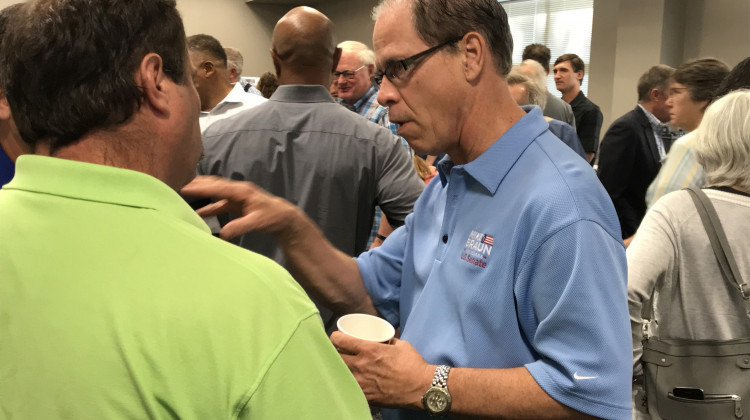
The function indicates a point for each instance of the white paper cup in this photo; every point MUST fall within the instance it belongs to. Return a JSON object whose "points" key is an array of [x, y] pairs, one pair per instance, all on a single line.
{"points": [[366, 327]]}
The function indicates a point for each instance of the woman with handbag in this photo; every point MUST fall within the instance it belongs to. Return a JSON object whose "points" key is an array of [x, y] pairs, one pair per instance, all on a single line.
{"points": [[687, 292]]}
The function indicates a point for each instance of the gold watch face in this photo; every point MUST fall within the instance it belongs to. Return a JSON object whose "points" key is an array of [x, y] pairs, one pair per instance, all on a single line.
{"points": [[437, 400]]}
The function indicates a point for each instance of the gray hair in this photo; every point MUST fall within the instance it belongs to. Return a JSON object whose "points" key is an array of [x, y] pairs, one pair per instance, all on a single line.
{"points": [[722, 141], [537, 75], [366, 55], [234, 59], [438, 21], [537, 96], [657, 77]]}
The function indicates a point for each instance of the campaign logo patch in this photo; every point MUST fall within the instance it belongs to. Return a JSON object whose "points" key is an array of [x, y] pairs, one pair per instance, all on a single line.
{"points": [[477, 249]]}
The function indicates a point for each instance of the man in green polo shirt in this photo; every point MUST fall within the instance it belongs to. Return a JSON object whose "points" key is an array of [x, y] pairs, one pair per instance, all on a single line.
{"points": [[115, 300]]}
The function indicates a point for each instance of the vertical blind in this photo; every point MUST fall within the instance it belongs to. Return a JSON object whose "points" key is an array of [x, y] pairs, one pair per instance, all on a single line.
{"points": [[562, 25]]}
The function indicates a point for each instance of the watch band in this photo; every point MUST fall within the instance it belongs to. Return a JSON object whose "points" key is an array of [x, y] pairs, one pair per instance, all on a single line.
{"points": [[441, 376], [437, 399]]}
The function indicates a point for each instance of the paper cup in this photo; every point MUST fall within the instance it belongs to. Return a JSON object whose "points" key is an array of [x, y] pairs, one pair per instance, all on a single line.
{"points": [[366, 327]]}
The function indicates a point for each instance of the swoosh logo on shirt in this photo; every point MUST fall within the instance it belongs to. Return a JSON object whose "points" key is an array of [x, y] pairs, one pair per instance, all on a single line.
{"points": [[580, 378]]}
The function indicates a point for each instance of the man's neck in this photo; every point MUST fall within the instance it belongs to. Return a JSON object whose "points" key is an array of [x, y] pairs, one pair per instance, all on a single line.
{"points": [[488, 118], [219, 95], [309, 77], [12, 145], [571, 94], [649, 106], [128, 148]]}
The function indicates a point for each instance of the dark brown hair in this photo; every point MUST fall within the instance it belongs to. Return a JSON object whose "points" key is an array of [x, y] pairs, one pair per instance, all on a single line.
{"points": [[68, 65]]}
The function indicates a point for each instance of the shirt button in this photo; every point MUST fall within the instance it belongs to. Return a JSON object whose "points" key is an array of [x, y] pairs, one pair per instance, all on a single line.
{"points": [[445, 239]]}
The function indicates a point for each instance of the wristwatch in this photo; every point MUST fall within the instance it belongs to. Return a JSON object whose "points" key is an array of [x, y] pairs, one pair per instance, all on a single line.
{"points": [[437, 399]]}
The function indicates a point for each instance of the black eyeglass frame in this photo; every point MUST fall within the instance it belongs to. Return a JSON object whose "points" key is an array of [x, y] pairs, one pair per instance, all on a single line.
{"points": [[406, 63]]}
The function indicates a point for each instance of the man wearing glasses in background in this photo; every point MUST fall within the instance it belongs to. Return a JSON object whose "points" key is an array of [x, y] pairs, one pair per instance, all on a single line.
{"points": [[508, 281], [352, 79]]}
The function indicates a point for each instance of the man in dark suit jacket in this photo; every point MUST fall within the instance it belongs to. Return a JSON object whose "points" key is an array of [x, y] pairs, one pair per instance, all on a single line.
{"points": [[632, 149]]}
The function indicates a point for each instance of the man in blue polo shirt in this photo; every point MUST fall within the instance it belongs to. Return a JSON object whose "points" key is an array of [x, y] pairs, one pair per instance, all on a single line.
{"points": [[508, 280]]}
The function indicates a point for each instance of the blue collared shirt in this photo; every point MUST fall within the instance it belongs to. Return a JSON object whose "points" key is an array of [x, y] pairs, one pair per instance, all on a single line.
{"points": [[7, 168], [514, 259], [657, 127]]}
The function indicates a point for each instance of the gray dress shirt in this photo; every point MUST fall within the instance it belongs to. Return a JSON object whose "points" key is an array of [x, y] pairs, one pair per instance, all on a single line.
{"points": [[329, 161], [334, 164]]}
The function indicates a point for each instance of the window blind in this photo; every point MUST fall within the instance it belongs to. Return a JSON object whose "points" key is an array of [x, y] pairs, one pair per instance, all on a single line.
{"points": [[564, 26]]}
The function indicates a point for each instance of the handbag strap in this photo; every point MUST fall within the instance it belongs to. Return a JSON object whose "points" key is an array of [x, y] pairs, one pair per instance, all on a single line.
{"points": [[719, 243], [722, 251]]}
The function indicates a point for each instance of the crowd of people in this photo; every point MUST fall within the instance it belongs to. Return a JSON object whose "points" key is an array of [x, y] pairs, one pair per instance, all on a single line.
{"points": [[176, 242]]}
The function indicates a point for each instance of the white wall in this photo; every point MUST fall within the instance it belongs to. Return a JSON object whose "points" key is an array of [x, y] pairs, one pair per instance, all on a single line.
{"points": [[248, 27], [629, 36], [351, 19]]}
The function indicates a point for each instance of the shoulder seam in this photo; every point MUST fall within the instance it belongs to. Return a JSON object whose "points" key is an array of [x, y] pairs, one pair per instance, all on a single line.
{"points": [[248, 395]]}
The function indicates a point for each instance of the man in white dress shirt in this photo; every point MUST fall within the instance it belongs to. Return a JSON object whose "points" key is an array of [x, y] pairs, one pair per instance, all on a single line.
{"points": [[219, 97]]}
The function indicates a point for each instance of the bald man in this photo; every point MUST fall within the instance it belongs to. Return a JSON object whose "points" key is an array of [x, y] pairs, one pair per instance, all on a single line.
{"points": [[303, 146]]}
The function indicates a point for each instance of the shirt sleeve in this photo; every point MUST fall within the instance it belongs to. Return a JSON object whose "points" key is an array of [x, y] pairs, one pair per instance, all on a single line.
{"points": [[679, 170], [307, 380], [398, 183], [651, 257], [381, 271], [571, 300]]}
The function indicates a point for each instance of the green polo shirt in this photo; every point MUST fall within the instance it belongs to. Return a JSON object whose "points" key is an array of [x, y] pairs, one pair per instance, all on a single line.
{"points": [[117, 303]]}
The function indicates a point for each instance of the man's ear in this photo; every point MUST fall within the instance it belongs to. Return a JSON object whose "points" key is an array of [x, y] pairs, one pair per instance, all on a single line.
{"points": [[154, 82], [579, 76], [475, 55], [209, 68], [4, 107], [655, 95], [276, 62]]}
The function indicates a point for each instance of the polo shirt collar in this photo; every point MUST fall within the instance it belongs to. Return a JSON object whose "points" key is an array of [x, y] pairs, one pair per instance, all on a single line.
{"points": [[489, 168], [102, 184], [302, 93]]}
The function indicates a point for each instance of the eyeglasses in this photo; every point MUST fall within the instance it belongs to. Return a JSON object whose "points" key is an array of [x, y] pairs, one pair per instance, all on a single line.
{"points": [[675, 90], [348, 74], [395, 69]]}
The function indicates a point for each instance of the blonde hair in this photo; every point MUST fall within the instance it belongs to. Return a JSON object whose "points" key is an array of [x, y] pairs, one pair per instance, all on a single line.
{"points": [[537, 74], [537, 96], [423, 170], [722, 141]]}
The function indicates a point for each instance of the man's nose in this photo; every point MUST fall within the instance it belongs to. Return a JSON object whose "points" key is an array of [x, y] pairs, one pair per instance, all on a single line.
{"points": [[388, 94]]}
